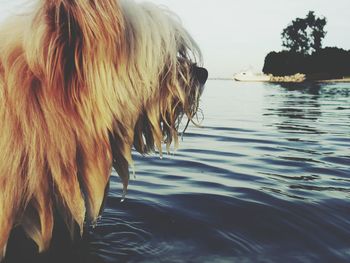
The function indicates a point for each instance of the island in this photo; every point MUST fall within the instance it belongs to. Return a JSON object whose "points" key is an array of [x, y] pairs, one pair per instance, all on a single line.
{"points": [[304, 58]]}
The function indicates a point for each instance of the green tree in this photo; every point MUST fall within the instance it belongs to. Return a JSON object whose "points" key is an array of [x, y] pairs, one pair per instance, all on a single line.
{"points": [[304, 35]]}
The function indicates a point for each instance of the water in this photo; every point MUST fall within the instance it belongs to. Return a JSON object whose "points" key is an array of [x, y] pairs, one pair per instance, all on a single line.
{"points": [[266, 179]]}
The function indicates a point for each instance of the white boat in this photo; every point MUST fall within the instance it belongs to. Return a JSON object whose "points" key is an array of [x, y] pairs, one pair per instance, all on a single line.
{"points": [[250, 76]]}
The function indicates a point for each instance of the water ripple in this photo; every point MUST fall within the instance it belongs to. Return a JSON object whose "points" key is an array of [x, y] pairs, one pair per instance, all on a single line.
{"points": [[266, 178]]}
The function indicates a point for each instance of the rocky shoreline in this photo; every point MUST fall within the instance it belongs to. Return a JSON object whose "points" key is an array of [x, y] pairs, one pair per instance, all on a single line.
{"points": [[345, 79], [296, 78]]}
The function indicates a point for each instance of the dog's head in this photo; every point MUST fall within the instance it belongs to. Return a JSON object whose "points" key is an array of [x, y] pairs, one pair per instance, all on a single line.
{"points": [[81, 83], [162, 67]]}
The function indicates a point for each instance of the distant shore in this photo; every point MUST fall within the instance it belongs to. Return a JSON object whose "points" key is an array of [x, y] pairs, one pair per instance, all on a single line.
{"points": [[220, 79], [296, 78], [341, 80], [335, 80]]}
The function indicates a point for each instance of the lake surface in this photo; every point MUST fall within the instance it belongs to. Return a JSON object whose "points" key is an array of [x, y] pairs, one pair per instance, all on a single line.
{"points": [[265, 179]]}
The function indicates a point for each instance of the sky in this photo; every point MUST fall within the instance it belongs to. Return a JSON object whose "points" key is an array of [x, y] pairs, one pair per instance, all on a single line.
{"points": [[237, 34]]}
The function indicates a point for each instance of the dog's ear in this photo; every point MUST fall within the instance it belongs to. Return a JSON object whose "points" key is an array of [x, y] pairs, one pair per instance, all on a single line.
{"points": [[70, 59], [80, 34], [94, 19]]}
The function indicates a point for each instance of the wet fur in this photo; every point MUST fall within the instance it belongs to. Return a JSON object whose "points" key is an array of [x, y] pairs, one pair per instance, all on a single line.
{"points": [[81, 82]]}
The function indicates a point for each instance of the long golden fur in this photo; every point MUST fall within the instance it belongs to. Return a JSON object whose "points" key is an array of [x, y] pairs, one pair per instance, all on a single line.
{"points": [[81, 82]]}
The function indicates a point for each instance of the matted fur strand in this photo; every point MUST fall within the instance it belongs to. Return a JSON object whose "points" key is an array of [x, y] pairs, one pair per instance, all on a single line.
{"points": [[81, 82]]}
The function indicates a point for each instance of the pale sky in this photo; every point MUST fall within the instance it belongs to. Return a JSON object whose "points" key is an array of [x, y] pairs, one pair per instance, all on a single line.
{"points": [[237, 34]]}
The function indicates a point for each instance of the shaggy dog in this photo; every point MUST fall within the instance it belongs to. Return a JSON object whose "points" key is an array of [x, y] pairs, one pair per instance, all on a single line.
{"points": [[81, 83]]}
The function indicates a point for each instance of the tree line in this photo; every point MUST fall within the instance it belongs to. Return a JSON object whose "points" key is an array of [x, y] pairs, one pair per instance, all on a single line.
{"points": [[302, 40]]}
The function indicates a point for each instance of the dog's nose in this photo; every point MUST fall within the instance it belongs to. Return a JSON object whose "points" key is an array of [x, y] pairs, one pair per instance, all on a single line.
{"points": [[201, 74]]}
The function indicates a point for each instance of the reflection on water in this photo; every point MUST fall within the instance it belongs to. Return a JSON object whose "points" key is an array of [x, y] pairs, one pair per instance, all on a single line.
{"points": [[266, 178]]}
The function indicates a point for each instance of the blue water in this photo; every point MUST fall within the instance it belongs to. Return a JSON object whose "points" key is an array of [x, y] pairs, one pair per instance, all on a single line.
{"points": [[265, 179]]}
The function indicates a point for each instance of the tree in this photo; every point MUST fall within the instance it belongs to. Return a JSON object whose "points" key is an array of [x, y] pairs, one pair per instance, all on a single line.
{"points": [[284, 63], [326, 63], [304, 35]]}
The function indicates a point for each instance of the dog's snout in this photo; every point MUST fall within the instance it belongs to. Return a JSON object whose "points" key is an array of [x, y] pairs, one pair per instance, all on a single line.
{"points": [[201, 75]]}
